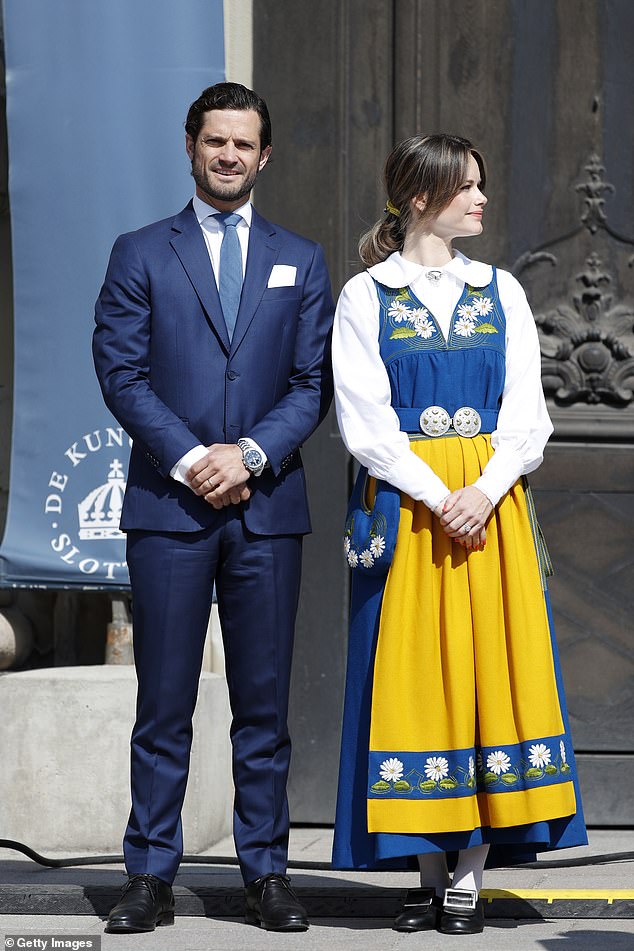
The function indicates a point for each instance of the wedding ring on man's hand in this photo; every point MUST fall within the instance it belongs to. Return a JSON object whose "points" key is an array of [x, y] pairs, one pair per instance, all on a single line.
{"points": [[465, 529]]}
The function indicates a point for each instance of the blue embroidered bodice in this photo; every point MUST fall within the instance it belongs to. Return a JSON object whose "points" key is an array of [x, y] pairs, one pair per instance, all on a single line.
{"points": [[425, 369]]}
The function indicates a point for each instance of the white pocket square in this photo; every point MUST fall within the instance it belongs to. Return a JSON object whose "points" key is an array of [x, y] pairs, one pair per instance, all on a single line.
{"points": [[282, 275]]}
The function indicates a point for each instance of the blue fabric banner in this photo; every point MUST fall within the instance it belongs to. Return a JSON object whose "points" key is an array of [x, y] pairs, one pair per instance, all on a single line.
{"points": [[97, 94]]}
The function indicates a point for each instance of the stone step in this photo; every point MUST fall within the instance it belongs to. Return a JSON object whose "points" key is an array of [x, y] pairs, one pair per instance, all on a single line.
{"points": [[321, 901]]}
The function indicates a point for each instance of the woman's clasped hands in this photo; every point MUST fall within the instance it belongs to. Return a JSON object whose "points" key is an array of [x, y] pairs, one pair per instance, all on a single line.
{"points": [[463, 515]]}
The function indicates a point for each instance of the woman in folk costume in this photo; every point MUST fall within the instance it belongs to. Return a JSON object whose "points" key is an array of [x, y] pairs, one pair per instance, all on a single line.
{"points": [[456, 747]]}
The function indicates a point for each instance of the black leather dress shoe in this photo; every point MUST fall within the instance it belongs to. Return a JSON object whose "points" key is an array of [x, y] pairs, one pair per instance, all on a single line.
{"points": [[271, 904], [420, 911], [146, 902], [462, 912]]}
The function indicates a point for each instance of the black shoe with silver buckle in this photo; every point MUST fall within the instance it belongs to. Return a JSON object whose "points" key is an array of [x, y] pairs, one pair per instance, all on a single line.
{"points": [[420, 911], [146, 901], [272, 904], [462, 912]]}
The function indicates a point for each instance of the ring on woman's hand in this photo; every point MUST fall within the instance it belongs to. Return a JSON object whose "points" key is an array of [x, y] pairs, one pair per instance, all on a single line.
{"points": [[465, 529]]}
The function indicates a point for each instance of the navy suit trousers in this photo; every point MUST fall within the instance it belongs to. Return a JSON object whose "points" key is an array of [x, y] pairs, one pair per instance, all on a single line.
{"points": [[257, 581]]}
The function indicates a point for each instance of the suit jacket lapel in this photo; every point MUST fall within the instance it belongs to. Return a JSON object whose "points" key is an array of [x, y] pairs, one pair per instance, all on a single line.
{"points": [[264, 248], [189, 244]]}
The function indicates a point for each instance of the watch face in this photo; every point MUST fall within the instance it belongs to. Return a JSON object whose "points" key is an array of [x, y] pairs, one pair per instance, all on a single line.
{"points": [[252, 459]]}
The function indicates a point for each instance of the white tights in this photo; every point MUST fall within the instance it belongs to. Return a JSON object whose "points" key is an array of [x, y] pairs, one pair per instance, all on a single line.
{"points": [[468, 873]]}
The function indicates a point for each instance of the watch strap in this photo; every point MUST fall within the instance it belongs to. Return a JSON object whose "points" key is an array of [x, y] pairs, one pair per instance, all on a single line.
{"points": [[246, 444]]}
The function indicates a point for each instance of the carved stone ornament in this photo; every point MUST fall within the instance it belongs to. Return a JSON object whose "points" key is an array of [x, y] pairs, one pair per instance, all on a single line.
{"points": [[585, 318]]}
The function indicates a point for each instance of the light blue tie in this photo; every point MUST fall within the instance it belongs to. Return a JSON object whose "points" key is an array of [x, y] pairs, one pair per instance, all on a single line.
{"points": [[230, 278]]}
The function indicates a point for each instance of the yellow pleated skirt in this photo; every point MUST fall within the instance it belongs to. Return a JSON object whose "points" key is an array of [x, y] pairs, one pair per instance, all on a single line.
{"points": [[464, 664]]}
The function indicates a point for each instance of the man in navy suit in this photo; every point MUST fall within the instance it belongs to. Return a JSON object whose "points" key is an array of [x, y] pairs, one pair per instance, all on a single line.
{"points": [[212, 350]]}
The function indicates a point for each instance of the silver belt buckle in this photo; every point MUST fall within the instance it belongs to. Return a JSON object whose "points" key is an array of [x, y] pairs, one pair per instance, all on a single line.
{"points": [[467, 421], [434, 421]]}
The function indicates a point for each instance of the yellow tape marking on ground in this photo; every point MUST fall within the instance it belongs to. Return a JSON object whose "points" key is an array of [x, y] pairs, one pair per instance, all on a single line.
{"points": [[550, 895]]}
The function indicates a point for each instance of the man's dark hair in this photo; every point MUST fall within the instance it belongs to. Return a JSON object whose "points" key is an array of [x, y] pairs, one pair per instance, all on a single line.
{"points": [[228, 96]]}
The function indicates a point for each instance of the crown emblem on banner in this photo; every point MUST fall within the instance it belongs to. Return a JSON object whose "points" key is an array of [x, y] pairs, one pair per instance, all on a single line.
{"points": [[100, 511]]}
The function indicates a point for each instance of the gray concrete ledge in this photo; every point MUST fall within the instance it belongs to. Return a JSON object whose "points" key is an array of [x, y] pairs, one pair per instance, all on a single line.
{"points": [[65, 752]]}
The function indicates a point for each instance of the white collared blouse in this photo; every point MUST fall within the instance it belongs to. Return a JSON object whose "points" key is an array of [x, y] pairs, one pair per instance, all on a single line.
{"points": [[369, 426]]}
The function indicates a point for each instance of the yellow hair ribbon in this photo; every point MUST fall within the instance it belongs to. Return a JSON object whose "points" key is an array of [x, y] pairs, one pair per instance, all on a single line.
{"points": [[392, 209]]}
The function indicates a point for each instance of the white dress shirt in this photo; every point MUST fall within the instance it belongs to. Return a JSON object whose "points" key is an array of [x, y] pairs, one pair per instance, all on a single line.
{"points": [[213, 232], [369, 426]]}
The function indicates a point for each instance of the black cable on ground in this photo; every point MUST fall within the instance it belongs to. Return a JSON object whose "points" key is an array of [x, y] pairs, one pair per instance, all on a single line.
{"points": [[604, 859]]}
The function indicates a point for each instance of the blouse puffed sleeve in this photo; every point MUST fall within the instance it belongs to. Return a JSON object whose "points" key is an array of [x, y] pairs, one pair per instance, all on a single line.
{"points": [[369, 426], [523, 426]]}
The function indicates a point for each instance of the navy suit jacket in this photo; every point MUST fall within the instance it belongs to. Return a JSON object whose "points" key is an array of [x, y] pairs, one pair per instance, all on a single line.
{"points": [[172, 379]]}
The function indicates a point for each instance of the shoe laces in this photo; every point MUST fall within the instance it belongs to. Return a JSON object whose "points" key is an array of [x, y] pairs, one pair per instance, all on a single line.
{"points": [[148, 881], [275, 878]]}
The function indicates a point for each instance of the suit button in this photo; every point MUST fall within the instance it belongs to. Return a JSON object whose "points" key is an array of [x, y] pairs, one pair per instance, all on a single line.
{"points": [[232, 375]]}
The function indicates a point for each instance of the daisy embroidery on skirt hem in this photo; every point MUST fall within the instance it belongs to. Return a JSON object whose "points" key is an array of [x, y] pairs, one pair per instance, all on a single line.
{"points": [[498, 769]]}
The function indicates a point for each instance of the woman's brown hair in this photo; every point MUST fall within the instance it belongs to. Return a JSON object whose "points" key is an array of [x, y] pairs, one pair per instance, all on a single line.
{"points": [[433, 166]]}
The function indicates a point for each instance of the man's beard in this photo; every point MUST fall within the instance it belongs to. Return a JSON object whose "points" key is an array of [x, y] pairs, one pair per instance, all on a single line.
{"points": [[229, 192]]}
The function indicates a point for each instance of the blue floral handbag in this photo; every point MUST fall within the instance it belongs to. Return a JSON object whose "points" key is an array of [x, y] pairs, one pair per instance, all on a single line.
{"points": [[371, 524]]}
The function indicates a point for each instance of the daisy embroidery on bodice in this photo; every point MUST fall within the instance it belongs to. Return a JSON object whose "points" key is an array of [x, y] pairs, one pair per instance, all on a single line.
{"points": [[407, 324]]}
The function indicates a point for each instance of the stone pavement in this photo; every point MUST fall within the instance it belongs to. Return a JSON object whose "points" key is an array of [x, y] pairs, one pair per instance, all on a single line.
{"points": [[584, 908]]}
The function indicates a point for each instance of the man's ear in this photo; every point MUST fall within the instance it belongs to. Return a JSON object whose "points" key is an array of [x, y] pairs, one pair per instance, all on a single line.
{"points": [[189, 146], [264, 157]]}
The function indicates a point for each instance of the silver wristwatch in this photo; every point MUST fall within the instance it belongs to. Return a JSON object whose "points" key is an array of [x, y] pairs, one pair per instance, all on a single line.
{"points": [[252, 458]]}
